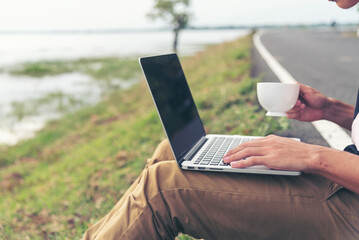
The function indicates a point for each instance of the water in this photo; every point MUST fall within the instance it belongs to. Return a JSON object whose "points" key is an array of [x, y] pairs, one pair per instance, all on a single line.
{"points": [[19, 48]]}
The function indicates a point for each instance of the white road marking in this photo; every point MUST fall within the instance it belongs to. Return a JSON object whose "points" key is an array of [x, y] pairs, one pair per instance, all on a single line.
{"points": [[335, 136]]}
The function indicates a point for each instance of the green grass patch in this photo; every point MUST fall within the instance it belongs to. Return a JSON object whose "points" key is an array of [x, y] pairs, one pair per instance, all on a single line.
{"points": [[104, 69], [73, 172]]}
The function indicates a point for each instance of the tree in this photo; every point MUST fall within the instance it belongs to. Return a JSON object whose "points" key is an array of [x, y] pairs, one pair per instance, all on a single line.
{"points": [[175, 12]]}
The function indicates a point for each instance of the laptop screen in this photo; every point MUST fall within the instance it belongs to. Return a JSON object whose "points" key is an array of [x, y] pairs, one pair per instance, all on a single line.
{"points": [[174, 102]]}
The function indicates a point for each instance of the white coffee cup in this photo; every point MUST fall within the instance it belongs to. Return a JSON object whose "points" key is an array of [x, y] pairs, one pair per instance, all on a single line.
{"points": [[277, 98]]}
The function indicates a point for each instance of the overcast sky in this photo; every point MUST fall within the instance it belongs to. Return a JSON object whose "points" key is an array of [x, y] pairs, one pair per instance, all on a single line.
{"points": [[104, 14]]}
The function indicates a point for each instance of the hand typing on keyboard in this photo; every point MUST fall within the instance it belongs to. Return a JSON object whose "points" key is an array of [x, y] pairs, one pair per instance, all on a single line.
{"points": [[217, 148], [273, 152]]}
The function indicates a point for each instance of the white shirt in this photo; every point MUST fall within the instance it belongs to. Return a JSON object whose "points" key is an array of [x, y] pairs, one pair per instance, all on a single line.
{"points": [[355, 131]]}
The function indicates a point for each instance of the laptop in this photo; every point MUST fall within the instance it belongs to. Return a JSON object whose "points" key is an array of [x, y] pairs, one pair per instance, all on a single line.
{"points": [[191, 146]]}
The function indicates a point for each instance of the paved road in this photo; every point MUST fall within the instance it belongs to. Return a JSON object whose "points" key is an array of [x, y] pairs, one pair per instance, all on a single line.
{"points": [[328, 61]]}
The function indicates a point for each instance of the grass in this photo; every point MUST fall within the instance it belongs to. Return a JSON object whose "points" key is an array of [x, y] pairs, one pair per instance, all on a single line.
{"points": [[99, 68], [57, 184]]}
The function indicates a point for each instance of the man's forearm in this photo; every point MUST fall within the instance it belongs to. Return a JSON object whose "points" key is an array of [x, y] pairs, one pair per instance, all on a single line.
{"points": [[340, 113], [338, 166]]}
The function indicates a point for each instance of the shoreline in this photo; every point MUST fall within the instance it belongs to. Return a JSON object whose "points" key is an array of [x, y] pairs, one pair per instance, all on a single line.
{"points": [[38, 80]]}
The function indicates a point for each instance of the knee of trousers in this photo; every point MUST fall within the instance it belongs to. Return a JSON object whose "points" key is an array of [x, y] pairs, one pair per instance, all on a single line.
{"points": [[163, 177], [159, 183], [153, 199], [163, 152]]}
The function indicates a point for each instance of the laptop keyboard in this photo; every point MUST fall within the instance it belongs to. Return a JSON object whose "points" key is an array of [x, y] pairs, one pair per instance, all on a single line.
{"points": [[217, 148]]}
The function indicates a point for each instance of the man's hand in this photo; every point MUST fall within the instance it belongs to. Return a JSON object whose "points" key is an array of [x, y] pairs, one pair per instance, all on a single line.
{"points": [[287, 154], [311, 105], [273, 152]]}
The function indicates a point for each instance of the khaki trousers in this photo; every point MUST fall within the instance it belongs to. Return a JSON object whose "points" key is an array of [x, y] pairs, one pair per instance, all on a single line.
{"points": [[165, 200]]}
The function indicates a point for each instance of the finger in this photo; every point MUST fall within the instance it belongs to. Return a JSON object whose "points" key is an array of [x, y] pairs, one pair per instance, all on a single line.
{"points": [[295, 115], [297, 108], [251, 143], [298, 103], [245, 153], [304, 89], [251, 161], [259, 142], [294, 111], [240, 147]]}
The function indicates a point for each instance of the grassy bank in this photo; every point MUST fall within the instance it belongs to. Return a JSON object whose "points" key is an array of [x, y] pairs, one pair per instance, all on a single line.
{"points": [[73, 172], [99, 68]]}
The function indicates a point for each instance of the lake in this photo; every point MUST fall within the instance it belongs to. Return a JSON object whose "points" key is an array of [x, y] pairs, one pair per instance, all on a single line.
{"points": [[16, 48], [19, 48]]}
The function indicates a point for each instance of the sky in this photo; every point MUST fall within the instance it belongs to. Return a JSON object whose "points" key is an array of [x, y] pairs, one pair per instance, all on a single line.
{"points": [[20, 15]]}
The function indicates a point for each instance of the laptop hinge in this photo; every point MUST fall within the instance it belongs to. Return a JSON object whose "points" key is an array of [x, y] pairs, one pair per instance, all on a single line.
{"points": [[194, 150]]}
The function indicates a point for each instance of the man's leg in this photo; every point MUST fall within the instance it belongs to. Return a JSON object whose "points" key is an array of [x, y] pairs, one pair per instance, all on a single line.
{"points": [[167, 200], [163, 152]]}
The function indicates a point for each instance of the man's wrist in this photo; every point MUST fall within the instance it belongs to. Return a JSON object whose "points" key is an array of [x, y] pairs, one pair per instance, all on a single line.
{"points": [[314, 161], [328, 109], [339, 113]]}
